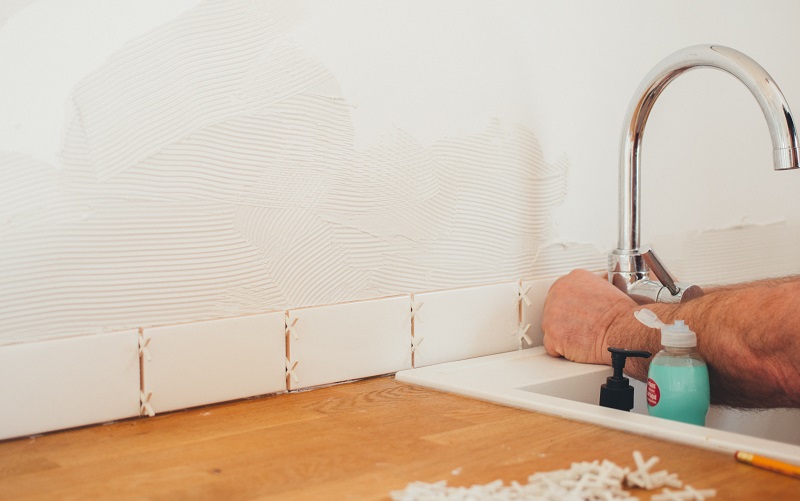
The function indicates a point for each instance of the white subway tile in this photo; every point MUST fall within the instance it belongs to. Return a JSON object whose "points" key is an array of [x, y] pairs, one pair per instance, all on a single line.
{"points": [[206, 362], [63, 383], [347, 341], [465, 323]]}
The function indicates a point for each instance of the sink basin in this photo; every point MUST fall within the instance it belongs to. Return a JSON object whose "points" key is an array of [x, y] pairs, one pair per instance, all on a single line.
{"points": [[530, 379]]}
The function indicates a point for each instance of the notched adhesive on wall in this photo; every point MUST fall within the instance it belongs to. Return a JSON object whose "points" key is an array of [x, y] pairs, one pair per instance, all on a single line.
{"points": [[209, 170], [736, 254]]}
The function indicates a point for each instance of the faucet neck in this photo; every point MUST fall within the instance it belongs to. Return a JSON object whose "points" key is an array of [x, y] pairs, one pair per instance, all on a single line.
{"points": [[782, 129]]}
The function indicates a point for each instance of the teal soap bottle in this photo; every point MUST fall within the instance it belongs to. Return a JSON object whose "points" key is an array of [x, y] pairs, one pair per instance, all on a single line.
{"points": [[677, 382]]}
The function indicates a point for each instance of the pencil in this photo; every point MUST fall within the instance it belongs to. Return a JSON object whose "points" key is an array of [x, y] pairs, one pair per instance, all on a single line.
{"points": [[768, 464]]}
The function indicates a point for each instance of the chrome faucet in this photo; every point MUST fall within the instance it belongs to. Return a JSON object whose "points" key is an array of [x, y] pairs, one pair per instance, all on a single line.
{"points": [[629, 266]]}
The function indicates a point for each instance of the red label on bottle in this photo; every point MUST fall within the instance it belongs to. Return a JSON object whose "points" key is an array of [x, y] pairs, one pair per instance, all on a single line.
{"points": [[653, 393]]}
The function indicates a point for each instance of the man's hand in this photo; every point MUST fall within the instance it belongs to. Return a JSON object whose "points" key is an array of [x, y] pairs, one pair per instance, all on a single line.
{"points": [[748, 334], [578, 311]]}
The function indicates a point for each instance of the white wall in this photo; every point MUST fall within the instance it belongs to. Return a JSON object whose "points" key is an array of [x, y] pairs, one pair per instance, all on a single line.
{"points": [[165, 162]]}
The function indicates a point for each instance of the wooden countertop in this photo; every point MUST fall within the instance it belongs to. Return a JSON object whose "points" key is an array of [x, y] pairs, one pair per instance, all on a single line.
{"points": [[352, 441]]}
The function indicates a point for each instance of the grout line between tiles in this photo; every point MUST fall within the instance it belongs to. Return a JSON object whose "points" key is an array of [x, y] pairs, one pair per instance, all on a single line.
{"points": [[141, 362], [519, 312], [287, 336], [413, 348]]}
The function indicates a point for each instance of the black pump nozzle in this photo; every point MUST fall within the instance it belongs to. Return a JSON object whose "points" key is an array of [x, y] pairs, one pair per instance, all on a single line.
{"points": [[617, 393]]}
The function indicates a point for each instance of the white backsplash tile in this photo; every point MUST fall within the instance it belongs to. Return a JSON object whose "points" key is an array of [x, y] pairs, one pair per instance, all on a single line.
{"points": [[206, 362], [465, 323], [340, 342], [69, 382]]}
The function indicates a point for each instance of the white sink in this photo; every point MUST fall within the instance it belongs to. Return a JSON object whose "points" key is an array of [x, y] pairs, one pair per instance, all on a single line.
{"points": [[531, 379]]}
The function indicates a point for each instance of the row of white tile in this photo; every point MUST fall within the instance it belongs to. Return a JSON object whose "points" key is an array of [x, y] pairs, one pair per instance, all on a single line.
{"points": [[72, 382]]}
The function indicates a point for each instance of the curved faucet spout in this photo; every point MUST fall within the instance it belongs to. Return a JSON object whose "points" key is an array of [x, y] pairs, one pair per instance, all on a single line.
{"points": [[626, 263]]}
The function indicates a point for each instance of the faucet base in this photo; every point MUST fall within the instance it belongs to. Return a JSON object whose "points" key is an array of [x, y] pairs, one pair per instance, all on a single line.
{"points": [[629, 271], [626, 267]]}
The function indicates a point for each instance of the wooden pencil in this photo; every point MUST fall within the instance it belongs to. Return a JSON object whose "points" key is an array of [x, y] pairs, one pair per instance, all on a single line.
{"points": [[768, 464]]}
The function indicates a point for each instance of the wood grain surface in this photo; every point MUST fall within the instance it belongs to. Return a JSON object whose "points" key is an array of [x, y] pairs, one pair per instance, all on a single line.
{"points": [[353, 441]]}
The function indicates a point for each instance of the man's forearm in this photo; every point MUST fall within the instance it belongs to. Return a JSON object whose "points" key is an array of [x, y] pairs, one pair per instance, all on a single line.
{"points": [[749, 335]]}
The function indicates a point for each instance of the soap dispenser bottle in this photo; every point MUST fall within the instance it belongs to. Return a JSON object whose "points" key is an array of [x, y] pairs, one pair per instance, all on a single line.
{"points": [[677, 382], [617, 393]]}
